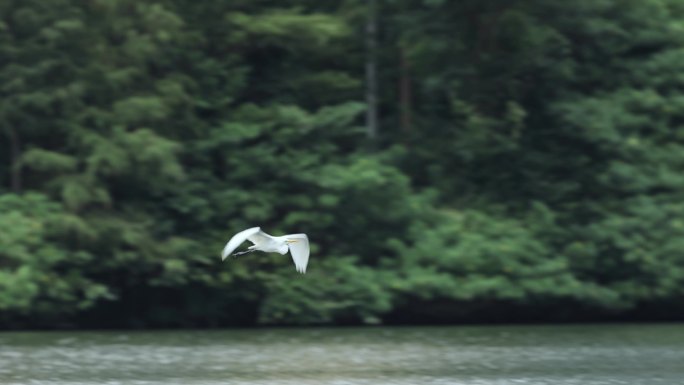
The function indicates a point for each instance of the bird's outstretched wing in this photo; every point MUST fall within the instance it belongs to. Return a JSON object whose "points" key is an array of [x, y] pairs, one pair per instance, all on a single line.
{"points": [[300, 251], [238, 239], [259, 237]]}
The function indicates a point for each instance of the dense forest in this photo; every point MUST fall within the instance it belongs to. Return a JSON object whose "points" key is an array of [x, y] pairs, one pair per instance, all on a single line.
{"points": [[451, 161]]}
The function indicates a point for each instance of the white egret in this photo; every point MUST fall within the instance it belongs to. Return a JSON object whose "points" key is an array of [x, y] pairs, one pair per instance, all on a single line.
{"points": [[297, 244]]}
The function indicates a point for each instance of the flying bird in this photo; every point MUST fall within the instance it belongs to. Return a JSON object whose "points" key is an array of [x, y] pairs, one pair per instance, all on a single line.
{"points": [[296, 244]]}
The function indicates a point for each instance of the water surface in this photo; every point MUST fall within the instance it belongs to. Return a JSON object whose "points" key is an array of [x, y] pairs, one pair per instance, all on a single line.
{"points": [[540, 355]]}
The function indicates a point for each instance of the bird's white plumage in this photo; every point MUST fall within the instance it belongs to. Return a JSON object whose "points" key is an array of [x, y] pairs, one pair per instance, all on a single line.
{"points": [[259, 237], [300, 251], [297, 244], [238, 239]]}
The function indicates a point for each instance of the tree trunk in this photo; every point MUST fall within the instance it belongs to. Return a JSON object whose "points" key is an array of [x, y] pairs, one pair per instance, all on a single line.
{"points": [[15, 153], [371, 71], [405, 93]]}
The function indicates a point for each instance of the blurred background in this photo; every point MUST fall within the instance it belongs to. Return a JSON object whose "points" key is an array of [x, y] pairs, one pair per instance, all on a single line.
{"points": [[451, 161]]}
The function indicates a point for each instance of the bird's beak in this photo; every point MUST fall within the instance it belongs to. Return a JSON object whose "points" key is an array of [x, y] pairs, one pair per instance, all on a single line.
{"points": [[292, 241]]}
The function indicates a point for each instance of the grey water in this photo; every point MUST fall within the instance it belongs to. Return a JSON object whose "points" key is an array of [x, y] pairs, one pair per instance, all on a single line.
{"points": [[469, 355]]}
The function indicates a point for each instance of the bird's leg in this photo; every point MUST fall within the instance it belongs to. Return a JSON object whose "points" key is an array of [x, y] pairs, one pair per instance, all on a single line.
{"points": [[243, 252]]}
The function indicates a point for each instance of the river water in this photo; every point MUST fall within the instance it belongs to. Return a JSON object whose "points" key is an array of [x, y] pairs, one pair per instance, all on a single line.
{"points": [[472, 355]]}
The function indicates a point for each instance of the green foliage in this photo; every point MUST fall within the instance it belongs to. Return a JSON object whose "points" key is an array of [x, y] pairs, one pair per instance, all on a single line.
{"points": [[539, 167], [338, 291], [41, 273], [48, 161], [285, 28]]}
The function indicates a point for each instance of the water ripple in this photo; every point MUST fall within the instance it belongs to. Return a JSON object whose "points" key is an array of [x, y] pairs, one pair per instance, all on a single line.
{"points": [[562, 355]]}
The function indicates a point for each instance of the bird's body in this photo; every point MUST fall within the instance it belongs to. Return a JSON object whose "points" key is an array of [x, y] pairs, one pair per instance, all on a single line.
{"points": [[296, 244]]}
